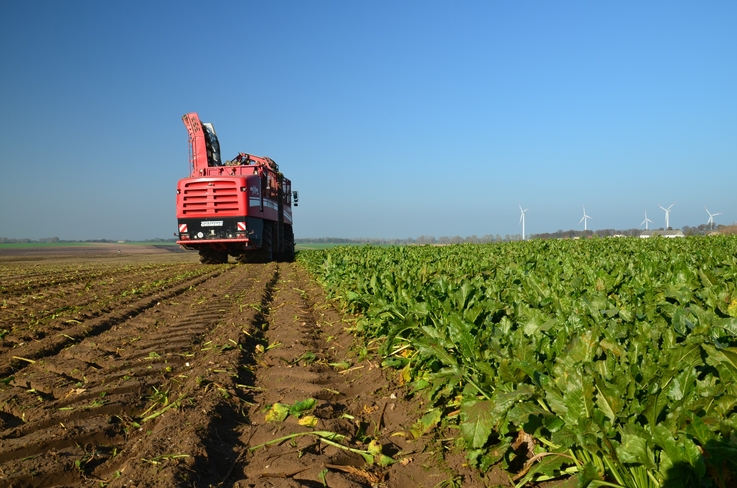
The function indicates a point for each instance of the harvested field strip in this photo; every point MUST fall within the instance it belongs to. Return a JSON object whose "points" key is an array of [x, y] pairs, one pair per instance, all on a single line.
{"points": [[108, 389]]}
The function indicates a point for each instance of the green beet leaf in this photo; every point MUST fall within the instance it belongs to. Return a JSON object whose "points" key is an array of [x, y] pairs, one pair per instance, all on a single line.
{"points": [[477, 422], [634, 447], [302, 406]]}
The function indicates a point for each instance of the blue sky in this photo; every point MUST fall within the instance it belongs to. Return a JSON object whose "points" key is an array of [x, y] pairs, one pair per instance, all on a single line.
{"points": [[392, 119]]}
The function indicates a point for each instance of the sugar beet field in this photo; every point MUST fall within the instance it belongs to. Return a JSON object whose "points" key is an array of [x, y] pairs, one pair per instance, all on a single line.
{"points": [[601, 362]]}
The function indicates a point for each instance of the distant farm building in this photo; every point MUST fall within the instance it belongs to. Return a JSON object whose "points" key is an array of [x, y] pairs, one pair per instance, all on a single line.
{"points": [[662, 233]]}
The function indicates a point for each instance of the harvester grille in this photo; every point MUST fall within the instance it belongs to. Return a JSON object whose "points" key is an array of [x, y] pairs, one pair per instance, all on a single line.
{"points": [[210, 197]]}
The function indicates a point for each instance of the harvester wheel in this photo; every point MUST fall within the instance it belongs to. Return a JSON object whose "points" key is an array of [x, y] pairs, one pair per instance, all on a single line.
{"points": [[287, 254], [208, 256], [262, 255], [266, 253]]}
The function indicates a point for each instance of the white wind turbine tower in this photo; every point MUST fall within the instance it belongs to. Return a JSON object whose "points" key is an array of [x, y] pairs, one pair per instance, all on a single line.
{"points": [[667, 215], [646, 221], [711, 217], [522, 220], [584, 219]]}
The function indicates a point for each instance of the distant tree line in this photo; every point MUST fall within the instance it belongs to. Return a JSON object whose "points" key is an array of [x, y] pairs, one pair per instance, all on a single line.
{"points": [[5, 240], [410, 240], [702, 229], [705, 229], [570, 234]]}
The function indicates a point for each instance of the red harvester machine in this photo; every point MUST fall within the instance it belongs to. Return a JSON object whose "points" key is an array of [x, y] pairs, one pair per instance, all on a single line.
{"points": [[241, 208]]}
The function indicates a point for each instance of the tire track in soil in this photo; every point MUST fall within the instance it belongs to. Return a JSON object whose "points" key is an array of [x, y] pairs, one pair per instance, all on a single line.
{"points": [[49, 345], [293, 368], [135, 399], [307, 335], [26, 280], [73, 298]]}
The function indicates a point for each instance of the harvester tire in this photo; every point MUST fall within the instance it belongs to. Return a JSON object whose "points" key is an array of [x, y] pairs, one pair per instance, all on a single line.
{"points": [[287, 255], [263, 255], [266, 253]]}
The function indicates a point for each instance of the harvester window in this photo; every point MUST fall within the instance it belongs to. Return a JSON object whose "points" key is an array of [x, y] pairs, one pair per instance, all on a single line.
{"points": [[212, 145], [272, 186], [242, 159]]}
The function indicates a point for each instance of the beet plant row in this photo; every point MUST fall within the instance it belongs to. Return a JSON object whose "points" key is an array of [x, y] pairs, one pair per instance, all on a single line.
{"points": [[612, 361]]}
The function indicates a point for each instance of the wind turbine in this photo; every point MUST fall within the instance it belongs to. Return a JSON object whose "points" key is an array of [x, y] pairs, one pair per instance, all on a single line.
{"points": [[522, 220], [584, 219], [667, 215], [646, 221], [711, 217]]}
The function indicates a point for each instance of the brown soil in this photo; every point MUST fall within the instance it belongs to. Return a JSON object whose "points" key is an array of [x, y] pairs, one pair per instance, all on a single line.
{"points": [[155, 371], [96, 253]]}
